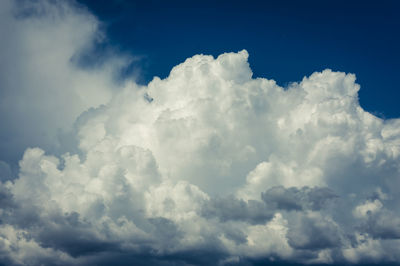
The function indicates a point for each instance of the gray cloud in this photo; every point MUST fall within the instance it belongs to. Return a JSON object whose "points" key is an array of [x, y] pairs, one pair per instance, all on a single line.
{"points": [[382, 225], [231, 208], [312, 232], [298, 198]]}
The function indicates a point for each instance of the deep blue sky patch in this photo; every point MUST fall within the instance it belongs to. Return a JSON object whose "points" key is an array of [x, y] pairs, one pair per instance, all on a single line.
{"points": [[286, 40]]}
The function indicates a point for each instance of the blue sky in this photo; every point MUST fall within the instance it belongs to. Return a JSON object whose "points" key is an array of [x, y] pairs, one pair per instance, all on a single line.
{"points": [[286, 40]]}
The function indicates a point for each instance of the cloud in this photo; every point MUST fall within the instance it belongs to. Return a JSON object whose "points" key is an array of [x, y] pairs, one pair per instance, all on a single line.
{"points": [[44, 87], [312, 231], [206, 166], [298, 199], [231, 208]]}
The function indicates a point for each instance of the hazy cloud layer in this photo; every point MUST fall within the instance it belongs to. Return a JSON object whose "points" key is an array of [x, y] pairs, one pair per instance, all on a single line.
{"points": [[207, 166], [43, 86]]}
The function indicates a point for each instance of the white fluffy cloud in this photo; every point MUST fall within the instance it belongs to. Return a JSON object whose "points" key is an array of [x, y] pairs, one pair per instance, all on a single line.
{"points": [[43, 89], [208, 166]]}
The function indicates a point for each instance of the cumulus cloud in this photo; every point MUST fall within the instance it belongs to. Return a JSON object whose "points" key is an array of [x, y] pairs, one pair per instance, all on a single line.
{"points": [[44, 86], [206, 166], [298, 199]]}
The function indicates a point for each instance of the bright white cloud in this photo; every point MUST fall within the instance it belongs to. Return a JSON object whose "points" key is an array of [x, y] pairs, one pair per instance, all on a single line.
{"points": [[208, 165]]}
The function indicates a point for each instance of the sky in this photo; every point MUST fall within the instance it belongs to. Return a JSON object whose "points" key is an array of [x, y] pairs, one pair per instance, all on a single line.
{"points": [[199, 133], [287, 39]]}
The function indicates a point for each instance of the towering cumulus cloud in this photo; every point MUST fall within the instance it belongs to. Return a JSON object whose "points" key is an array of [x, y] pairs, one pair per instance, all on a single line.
{"points": [[211, 166]]}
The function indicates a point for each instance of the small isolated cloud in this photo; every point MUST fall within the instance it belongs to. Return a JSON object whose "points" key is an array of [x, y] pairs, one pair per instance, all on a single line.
{"points": [[207, 166]]}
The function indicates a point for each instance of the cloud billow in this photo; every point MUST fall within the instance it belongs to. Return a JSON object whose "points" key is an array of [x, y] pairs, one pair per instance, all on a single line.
{"points": [[211, 166]]}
